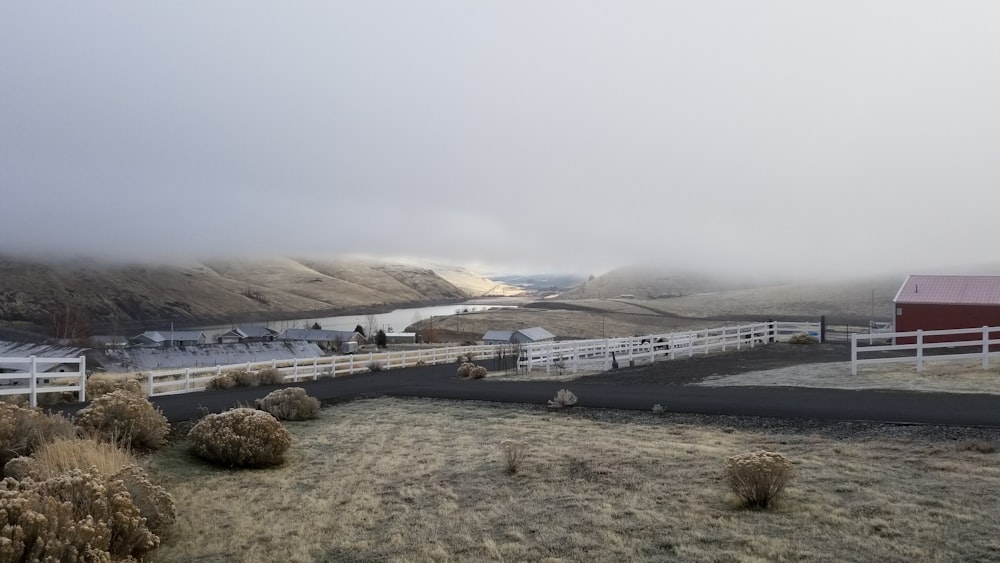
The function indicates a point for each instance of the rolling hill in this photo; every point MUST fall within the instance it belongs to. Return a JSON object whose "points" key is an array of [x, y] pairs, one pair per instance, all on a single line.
{"points": [[73, 297]]}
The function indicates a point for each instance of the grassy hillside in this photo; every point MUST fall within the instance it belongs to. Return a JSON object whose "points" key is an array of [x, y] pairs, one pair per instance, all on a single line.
{"points": [[70, 295]]}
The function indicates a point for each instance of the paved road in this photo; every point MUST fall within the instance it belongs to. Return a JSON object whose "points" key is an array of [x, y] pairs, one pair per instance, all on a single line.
{"points": [[440, 382]]}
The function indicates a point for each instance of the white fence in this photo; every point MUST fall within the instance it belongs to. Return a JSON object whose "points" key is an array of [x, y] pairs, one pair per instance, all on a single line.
{"points": [[979, 339], [172, 382], [575, 355], [35, 378]]}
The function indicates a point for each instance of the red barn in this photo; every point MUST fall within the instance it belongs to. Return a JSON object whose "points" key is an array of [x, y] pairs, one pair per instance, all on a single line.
{"points": [[945, 302]]}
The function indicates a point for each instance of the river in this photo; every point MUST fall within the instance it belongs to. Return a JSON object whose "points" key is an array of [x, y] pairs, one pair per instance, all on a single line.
{"points": [[393, 321]]}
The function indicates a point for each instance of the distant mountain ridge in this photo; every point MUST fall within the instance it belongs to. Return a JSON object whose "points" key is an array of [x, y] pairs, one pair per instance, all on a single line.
{"points": [[65, 296]]}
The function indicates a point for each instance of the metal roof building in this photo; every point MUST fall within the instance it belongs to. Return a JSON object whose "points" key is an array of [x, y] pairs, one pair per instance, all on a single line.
{"points": [[937, 302]]}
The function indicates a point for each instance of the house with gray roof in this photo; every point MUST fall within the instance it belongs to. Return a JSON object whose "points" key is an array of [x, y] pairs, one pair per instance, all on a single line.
{"points": [[248, 334], [497, 337], [327, 338], [169, 338]]}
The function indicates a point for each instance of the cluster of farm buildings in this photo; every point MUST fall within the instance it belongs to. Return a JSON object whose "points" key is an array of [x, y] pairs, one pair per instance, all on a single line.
{"points": [[329, 339]]}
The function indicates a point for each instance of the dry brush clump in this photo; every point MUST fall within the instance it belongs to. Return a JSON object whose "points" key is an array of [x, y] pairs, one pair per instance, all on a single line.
{"points": [[290, 403], [759, 477], [65, 454], [109, 460], [126, 418], [471, 371], [241, 437], [465, 369], [513, 452], [77, 516], [23, 429], [564, 398], [245, 378], [803, 338], [225, 380], [97, 387]]}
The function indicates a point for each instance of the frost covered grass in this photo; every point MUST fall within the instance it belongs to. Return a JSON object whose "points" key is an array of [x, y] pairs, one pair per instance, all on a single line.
{"points": [[405, 480]]}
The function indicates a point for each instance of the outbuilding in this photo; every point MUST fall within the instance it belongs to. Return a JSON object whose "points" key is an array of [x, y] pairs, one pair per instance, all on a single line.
{"points": [[939, 302]]}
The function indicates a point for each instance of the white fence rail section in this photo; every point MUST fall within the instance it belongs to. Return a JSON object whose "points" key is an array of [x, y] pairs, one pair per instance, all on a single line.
{"points": [[34, 378], [591, 355], [172, 382], [576, 355], [979, 339]]}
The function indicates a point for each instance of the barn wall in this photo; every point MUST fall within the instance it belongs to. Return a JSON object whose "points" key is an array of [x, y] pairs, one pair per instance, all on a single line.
{"points": [[940, 317]]}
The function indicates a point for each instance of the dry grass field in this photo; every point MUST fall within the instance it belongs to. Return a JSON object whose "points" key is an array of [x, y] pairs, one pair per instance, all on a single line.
{"points": [[423, 480], [960, 376]]}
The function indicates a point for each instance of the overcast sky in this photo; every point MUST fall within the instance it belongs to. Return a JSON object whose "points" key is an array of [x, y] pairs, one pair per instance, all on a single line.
{"points": [[542, 135]]}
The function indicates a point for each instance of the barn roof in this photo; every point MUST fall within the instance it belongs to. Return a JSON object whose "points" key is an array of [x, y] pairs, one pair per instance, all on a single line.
{"points": [[498, 335], [950, 290], [536, 333]]}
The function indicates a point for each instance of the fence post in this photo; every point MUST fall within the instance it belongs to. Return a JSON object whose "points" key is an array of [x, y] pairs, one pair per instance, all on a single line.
{"points": [[920, 349], [854, 354], [149, 385], [404, 359], [187, 379], [32, 384], [274, 363], [986, 347], [315, 369], [690, 343], [83, 379], [295, 370]]}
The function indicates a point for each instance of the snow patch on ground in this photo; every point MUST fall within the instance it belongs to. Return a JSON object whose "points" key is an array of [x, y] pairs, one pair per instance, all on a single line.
{"points": [[146, 359]]}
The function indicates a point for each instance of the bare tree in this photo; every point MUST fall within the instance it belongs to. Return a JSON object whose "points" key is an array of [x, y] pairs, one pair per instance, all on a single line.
{"points": [[371, 323]]}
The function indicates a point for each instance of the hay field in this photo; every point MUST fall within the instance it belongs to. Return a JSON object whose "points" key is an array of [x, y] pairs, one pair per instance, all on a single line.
{"points": [[422, 480]]}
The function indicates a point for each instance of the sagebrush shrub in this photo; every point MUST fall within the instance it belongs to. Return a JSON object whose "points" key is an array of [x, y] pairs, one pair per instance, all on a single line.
{"points": [[465, 369], [563, 398], [126, 418], [246, 378], [478, 372], [290, 403], [513, 454], [98, 387], [803, 339], [153, 501], [108, 460], [224, 380], [23, 429], [241, 437], [659, 409], [758, 477], [270, 376], [77, 516]]}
